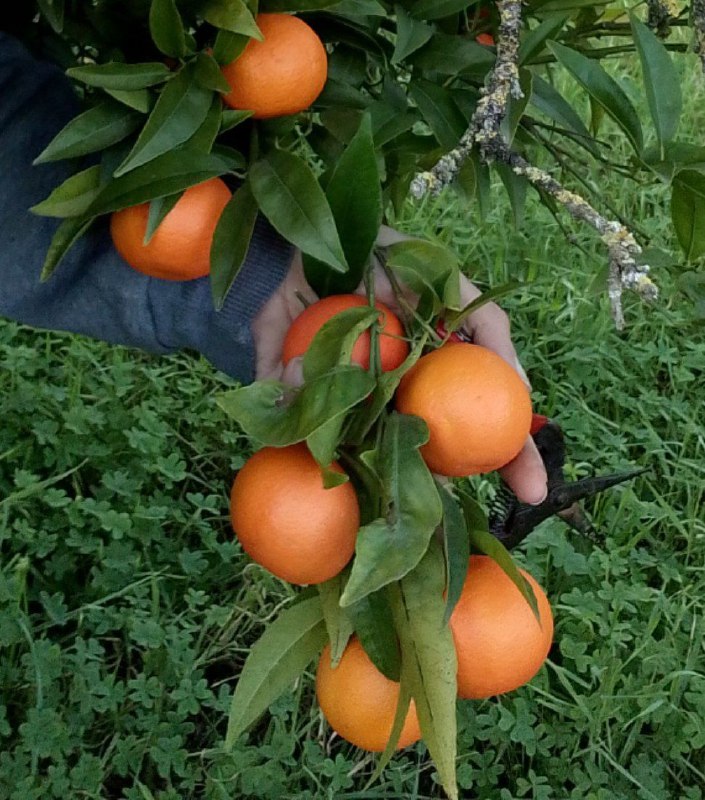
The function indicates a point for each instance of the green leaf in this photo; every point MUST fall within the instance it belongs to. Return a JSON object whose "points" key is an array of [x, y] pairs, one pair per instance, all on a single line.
{"points": [[204, 138], [440, 112], [516, 107], [437, 9], [374, 627], [291, 198], [427, 268], [230, 118], [661, 82], [165, 175], [428, 660], [53, 11], [233, 16], [167, 28], [486, 543], [456, 547], [66, 235], [534, 42], [284, 650], [692, 284], [389, 547], [95, 129], [299, 5], [73, 197], [516, 186], [121, 77], [403, 704], [278, 415], [357, 8], [323, 443], [339, 623], [550, 102], [209, 74], [141, 100], [603, 89], [688, 212], [333, 343], [158, 209], [228, 46], [450, 55], [411, 34], [355, 198], [179, 112], [231, 241]]}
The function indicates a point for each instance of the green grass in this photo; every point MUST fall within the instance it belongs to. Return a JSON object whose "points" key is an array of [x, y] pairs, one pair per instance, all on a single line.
{"points": [[126, 610]]}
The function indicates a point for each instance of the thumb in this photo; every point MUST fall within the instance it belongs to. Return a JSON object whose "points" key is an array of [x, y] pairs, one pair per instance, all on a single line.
{"points": [[293, 372]]}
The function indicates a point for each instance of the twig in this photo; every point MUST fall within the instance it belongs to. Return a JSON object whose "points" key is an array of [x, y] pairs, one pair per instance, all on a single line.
{"points": [[484, 132]]}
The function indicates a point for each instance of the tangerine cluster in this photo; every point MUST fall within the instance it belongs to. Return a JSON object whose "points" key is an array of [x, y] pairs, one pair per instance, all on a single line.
{"points": [[478, 413]]}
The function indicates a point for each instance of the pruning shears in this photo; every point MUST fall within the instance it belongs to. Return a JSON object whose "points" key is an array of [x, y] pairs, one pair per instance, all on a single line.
{"points": [[510, 520]]}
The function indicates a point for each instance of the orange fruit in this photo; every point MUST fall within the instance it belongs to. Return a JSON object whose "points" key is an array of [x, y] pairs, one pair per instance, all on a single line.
{"points": [[498, 640], [486, 39], [476, 406], [287, 522], [283, 74], [359, 702], [180, 248], [392, 347]]}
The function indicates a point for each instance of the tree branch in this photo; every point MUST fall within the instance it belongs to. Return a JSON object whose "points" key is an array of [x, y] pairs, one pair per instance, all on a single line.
{"points": [[484, 133]]}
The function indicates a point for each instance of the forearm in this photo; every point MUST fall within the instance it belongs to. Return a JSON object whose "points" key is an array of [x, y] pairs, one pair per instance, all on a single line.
{"points": [[93, 291]]}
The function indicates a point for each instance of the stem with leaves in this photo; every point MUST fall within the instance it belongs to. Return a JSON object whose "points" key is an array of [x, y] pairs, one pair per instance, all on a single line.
{"points": [[484, 133]]}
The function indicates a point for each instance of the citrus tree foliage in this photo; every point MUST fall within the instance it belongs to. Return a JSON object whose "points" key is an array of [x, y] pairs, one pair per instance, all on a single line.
{"points": [[404, 82]]}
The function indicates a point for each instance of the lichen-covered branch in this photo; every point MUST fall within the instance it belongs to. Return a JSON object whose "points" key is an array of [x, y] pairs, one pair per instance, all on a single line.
{"points": [[697, 13], [484, 132]]}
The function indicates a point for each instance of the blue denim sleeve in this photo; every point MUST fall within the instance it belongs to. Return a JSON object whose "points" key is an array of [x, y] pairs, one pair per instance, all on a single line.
{"points": [[93, 291]]}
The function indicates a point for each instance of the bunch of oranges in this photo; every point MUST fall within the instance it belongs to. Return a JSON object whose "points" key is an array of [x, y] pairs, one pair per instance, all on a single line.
{"points": [[478, 413]]}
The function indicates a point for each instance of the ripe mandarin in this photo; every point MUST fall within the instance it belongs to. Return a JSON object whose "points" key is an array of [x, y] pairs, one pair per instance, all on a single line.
{"points": [[283, 74], [285, 519], [392, 346], [180, 248], [498, 640], [476, 406], [359, 702]]}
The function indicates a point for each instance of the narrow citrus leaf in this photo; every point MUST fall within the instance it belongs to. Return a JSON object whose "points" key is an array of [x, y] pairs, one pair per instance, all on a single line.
{"points": [[233, 16], [339, 623], [228, 46], [209, 75], [603, 89], [67, 234], [278, 415], [550, 102], [163, 176], [93, 130], [688, 212], [402, 710], [283, 652], [334, 342], [206, 134], [437, 9], [299, 5], [167, 28], [453, 321], [53, 11], [355, 198], [516, 186], [429, 269], [534, 41], [158, 209], [389, 547], [357, 8], [486, 543], [456, 547], [440, 112], [121, 77], [374, 627], [450, 55], [323, 443], [428, 660], [661, 82], [231, 242], [179, 112], [140, 100], [411, 34], [73, 197], [230, 118], [291, 198], [516, 107]]}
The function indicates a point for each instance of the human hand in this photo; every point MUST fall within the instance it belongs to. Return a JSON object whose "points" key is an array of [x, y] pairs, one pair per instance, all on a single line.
{"points": [[488, 326]]}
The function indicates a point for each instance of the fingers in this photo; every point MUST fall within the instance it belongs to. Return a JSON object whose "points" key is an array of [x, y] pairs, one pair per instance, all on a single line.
{"points": [[293, 372], [526, 475]]}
